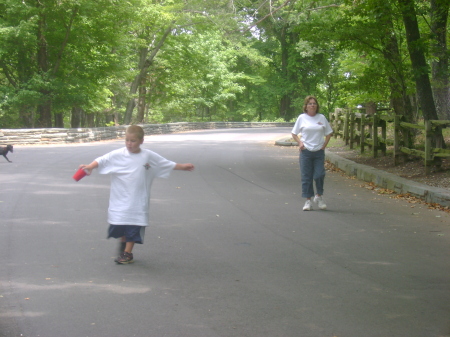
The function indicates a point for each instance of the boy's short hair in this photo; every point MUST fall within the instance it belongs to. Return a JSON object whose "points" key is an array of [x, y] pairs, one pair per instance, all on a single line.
{"points": [[136, 130]]}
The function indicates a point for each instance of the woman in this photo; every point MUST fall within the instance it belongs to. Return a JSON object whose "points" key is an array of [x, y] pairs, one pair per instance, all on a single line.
{"points": [[315, 134]]}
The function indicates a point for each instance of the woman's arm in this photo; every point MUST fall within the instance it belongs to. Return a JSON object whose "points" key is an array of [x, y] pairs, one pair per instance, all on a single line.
{"points": [[327, 139], [299, 142]]}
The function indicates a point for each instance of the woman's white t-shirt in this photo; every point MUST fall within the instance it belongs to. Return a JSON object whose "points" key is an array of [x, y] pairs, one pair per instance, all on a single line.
{"points": [[313, 130], [132, 175]]}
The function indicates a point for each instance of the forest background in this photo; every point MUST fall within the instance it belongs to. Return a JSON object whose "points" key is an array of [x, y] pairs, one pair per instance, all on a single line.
{"points": [[92, 63]]}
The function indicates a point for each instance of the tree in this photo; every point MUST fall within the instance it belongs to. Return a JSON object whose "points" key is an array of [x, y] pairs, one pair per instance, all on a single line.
{"points": [[378, 70], [440, 63], [190, 25], [145, 61], [57, 55], [420, 67], [90, 63]]}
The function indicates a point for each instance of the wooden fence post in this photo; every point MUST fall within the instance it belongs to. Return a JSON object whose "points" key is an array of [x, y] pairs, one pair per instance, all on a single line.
{"points": [[428, 147], [353, 123], [383, 135], [396, 139], [333, 122], [375, 121], [352, 129], [346, 124], [362, 133]]}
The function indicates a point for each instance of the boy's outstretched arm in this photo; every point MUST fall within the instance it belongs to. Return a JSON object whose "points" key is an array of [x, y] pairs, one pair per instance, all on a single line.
{"points": [[184, 167], [90, 167]]}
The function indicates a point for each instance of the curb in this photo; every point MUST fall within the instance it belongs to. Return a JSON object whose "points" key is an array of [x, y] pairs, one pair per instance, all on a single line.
{"points": [[386, 180], [285, 143]]}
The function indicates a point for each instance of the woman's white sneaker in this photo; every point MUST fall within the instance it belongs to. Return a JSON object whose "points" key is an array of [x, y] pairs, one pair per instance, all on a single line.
{"points": [[307, 206], [319, 200]]}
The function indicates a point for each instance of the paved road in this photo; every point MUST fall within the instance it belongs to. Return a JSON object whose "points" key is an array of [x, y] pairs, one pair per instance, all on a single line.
{"points": [[229, 251]]}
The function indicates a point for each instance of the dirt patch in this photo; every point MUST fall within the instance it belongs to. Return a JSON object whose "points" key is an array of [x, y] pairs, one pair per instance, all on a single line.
{"points": [[412, 169]]}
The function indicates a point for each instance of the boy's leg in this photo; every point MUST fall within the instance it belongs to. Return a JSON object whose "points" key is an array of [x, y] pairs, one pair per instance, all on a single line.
{"points": [[128, 235], [129, 247], [118, 232], [126, 256], [133, 234], [122, 244]]}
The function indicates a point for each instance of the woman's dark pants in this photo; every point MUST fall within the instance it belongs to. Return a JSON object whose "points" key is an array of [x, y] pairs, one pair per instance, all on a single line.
{"points": [[312, 167]]}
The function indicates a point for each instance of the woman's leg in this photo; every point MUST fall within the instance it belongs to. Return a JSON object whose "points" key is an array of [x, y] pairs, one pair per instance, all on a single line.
{"points": [[319, 170], [307, 170]]}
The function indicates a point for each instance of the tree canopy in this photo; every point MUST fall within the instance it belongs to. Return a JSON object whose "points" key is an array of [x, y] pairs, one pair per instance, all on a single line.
{"points": [[84, 63]]}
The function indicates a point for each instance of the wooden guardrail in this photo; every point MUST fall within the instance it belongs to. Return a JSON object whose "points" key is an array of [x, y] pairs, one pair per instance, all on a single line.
{"points": [[371, 131], [434, 149], [358, 128]]}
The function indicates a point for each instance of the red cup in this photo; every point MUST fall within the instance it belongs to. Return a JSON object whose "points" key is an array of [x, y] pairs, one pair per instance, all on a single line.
{"points": [[79, 174]]}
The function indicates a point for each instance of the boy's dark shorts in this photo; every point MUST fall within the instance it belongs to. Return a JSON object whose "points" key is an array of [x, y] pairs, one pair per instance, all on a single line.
{"points": [[132, 233]]}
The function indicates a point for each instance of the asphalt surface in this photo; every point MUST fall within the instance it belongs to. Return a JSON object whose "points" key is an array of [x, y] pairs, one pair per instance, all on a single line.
{"points": [[229, 251]]}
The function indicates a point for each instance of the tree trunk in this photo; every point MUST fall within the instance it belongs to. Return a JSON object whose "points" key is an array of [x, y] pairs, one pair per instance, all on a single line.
{"points": [[44, 108], [440, 63], [44, 111], [144, 64], [90, 120], [399, 94], [129, 111], [395, 69], [26, 116], [143, 52], [59, 120], [285, 104], [76, 117], [417, 56], [286, 110], [141, 101], [371, 108]]}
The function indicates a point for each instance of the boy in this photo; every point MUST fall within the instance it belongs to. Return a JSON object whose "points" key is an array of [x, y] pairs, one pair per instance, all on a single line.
{"points": [[132, 172]]}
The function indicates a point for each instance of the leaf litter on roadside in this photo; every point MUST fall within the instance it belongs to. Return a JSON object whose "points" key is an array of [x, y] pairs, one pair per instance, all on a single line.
{"points": [[404, 196]]}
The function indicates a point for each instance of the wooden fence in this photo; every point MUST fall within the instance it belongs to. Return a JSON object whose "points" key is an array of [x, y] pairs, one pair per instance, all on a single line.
{"points": [[370, 131]]}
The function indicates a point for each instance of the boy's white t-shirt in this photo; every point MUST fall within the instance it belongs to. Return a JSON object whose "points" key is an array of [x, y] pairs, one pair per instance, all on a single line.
{"points": [[132, 175], [313, 130]]}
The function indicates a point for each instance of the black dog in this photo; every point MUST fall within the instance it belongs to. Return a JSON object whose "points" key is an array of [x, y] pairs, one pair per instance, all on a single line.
{"points": [[4, 151]]}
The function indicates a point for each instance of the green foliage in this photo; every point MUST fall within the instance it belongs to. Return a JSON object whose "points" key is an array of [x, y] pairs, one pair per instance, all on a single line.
{"points": [[212, 66]]}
